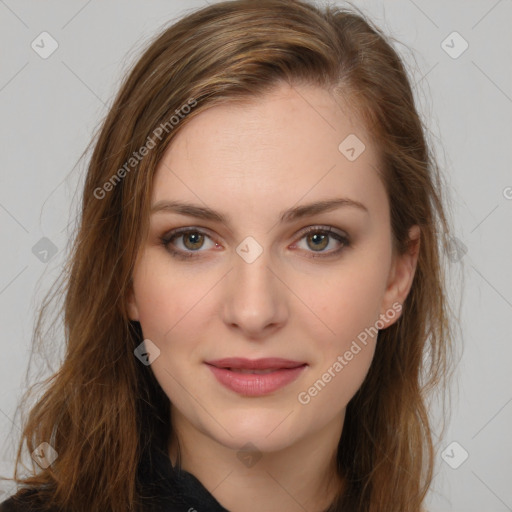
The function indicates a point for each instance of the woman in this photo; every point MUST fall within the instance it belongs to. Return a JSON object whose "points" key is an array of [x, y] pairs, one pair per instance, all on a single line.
{"points": [[254, 306]]}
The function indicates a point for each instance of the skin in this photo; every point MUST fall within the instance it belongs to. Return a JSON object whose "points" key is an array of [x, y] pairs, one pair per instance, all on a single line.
{"points": [[251, 162]]}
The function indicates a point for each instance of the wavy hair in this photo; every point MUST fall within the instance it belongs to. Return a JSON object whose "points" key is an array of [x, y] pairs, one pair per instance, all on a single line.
{"points": [[101, 408]]}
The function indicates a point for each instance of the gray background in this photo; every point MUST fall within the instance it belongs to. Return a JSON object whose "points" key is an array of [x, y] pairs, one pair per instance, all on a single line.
{"points": [[50, 108]]}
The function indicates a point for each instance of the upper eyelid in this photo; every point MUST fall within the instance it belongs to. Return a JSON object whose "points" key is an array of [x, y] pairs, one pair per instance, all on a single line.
{"points": [[174, 233]]}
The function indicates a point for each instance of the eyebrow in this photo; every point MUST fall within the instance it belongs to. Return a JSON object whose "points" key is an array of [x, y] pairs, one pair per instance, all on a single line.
{"points": [[298, 212]]}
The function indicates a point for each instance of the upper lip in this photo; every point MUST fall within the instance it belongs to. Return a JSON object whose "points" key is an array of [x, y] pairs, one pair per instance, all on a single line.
{"points": [[267, 363]]}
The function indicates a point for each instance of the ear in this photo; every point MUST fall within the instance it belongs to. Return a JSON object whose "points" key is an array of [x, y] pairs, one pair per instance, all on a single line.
{"points": [[401, 277], [131, 305]]}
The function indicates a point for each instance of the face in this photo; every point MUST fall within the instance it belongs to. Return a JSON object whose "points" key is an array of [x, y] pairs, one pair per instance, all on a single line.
{"points": [[263, 277]]}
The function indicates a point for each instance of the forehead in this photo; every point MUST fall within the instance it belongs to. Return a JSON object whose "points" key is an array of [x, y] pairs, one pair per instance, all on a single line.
{"points": [[291, 146]]}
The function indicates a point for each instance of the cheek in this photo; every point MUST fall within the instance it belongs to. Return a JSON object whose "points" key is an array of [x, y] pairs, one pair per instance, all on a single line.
{"points": [[344, 353], [171, 307], [168, 298], [346, 302]]}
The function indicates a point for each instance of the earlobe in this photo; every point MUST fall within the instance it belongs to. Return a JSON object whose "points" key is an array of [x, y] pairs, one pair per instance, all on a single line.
{"points": [[131, 306], [402, 274]]}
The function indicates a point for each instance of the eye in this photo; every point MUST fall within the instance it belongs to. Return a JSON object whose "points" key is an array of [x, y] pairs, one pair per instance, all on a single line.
{"points": [[192, 240], [319, 238]]}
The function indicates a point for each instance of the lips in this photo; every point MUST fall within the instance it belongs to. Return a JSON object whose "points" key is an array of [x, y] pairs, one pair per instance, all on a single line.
{"points": [[268, 363], [255, 377]]}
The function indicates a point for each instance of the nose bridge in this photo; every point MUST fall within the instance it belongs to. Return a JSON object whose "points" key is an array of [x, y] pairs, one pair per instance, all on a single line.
{"points": [[254, 299]]}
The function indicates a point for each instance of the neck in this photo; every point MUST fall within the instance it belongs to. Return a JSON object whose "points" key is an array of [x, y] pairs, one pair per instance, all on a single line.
{"points": [[300, 477]]}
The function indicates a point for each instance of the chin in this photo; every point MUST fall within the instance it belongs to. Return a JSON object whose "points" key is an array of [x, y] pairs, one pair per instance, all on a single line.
{"points": [[262, 427]]}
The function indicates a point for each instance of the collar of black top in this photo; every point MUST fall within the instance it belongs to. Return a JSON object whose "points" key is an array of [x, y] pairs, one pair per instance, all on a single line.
{"points": [[164, 486]]}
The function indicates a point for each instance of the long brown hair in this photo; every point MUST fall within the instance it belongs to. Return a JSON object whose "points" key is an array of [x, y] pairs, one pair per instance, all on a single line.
{"points": [[102, 407]]}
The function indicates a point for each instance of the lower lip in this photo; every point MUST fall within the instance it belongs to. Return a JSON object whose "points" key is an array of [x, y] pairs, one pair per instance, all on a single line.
{"points": [[256, 384]]}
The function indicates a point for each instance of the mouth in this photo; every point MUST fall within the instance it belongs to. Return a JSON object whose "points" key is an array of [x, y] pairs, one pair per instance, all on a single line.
{"points": [[257, 372], [266, 364], [255, 377]]}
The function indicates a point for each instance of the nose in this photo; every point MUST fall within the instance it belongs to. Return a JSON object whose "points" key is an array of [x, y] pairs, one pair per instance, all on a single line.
{"points": [[255, 300]]}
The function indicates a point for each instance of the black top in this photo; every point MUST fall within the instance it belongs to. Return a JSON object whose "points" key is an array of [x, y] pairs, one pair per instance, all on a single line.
{"points": [[165, 489]]}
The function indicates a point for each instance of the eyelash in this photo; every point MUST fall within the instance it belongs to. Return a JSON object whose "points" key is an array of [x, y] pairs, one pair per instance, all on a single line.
{"points": [[185, 255]]}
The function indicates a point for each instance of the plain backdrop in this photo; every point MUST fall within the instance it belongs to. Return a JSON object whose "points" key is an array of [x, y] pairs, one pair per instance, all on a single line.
{"points": [[460, 63]]}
